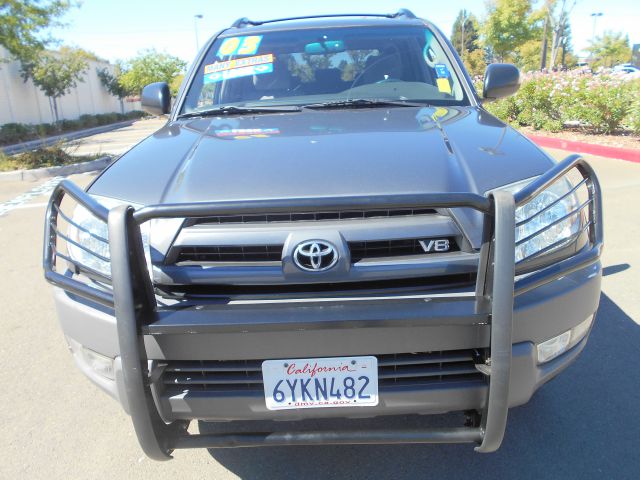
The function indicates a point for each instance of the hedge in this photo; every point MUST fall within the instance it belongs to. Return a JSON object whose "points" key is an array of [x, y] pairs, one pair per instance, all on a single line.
{"points": [[11, 133]]}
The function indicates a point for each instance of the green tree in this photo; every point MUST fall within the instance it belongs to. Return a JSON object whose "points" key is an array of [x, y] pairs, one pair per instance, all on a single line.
{"points": [[475, 62], [56, 73], [509, 25], [149, 67], [609, 49], [113, 84], [174, 86], [467, 40], [528, 55], [22, 23]]}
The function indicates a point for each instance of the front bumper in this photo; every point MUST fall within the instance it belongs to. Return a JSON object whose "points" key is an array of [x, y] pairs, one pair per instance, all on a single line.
{"points": [[539, 314], [501, 317]]}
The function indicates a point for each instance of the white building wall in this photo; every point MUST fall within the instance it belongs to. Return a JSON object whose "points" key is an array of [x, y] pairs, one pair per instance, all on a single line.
{"points": [[23, 102]]}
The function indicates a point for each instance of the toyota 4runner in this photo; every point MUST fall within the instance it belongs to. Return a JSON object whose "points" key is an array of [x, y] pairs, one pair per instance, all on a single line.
{"points": [[328, 225]]}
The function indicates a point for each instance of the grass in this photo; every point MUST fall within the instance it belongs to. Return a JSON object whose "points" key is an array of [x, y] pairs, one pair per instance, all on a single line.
{"points": [[52, 156]]}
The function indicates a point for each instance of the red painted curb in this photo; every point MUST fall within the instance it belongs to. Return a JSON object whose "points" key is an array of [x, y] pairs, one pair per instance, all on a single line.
{"points": [[628, 154]]}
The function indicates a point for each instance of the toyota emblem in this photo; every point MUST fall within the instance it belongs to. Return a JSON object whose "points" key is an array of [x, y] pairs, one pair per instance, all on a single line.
{"points": [[315, 256]]}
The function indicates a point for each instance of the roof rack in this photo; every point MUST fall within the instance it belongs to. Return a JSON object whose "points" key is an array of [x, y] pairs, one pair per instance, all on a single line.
{"points": [[244, 21]]}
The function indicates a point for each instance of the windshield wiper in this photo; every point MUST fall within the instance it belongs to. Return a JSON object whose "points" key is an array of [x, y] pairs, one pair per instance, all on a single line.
{"points": [[230, 109], [364, 103]]}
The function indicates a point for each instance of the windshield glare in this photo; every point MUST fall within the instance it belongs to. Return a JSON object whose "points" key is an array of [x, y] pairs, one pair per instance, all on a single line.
{"points": [[301, 67]]}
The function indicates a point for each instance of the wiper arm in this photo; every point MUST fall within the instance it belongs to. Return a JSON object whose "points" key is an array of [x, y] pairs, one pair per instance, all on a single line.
{"points": [[231, 109], [365, 102]]}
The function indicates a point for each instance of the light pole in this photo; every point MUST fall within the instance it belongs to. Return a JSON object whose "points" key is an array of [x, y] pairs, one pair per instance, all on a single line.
{"points": [[464, 20], [197, 17], [595, 18]]}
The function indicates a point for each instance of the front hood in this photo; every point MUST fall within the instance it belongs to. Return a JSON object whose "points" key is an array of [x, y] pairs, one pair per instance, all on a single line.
{"points": [[369, 151], [323, 153]]}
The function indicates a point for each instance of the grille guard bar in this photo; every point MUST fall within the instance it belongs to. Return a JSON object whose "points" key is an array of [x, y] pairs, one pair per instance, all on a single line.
{"points": [[135, 305]]}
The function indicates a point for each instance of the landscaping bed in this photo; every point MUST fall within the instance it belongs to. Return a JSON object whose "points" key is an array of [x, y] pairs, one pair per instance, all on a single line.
{"points": [[51, 156], [621, 140], [576, 104], [12, 133]]}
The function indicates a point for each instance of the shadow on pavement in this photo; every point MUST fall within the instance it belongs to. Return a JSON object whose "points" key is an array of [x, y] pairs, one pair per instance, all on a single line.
{"points": [[613, 269], [582, 425]]}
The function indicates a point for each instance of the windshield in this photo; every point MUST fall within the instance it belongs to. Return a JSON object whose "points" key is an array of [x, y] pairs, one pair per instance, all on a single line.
{"points": [[302, 67]]}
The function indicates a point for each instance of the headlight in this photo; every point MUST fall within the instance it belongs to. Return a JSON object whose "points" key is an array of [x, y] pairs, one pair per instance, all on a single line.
{"points": [[93, 235], [545, 220]]}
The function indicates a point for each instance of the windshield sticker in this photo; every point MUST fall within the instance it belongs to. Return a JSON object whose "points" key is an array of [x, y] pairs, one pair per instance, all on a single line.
{"points": [[443, 85], [238, 72], [239, 46], [238, 63], [442, 80], [442, 71]]}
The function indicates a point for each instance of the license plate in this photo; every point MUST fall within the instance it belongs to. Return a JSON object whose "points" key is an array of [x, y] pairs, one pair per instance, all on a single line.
{"points": [[320, 382]]}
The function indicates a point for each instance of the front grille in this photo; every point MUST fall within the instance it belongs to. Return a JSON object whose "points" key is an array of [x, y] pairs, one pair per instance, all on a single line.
{"points": [[273, 253], [393, 248], [240, 253], [402, 369], [309, 216]]}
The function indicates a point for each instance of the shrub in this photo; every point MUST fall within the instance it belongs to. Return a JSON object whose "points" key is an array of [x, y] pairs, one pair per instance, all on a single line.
{"points": [[135, 114], [537, 106], [68, 125], [106, 118], [45, 129], [11, 133], [506, 109], [50, 156], [88, 121], [602, 103], [632, 120], [15, 133], [45, 157]]}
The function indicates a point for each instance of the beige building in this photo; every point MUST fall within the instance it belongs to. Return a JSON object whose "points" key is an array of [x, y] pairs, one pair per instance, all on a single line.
{"points": [[22, 102]]}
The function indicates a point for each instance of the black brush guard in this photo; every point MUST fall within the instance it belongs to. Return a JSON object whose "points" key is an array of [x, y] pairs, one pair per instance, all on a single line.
{"points": [[135, 304]]}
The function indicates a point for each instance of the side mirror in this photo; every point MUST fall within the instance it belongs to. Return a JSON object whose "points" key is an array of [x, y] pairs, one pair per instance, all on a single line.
{"points": [[500, 80], [156, 98]]}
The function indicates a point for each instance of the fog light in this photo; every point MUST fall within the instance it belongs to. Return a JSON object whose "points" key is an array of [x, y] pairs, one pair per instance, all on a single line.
{"points": [[98, 363], [553, 347]]}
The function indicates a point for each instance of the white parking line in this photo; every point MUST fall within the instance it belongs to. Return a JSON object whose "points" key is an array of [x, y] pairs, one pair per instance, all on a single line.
{"points": [[31, 205], [19, 202]]}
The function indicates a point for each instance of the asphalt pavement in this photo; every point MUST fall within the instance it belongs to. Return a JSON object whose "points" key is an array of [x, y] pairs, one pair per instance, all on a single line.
{"points": [[56, 424]]}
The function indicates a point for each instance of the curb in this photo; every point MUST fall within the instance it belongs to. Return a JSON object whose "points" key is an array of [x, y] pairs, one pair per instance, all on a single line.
{"points": [[23, 147], [619, 153], [62, 170]]}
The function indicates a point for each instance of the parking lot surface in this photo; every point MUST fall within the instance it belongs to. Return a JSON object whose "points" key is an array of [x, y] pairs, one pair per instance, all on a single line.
{"points": [[56, 424]]}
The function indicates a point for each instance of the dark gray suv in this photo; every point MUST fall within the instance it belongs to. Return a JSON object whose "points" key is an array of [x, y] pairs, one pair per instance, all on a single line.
{"points": [[329, 225]]}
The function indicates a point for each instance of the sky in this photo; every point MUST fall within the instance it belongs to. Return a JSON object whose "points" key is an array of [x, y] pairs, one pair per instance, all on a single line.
{"points": [[119, 29]]}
